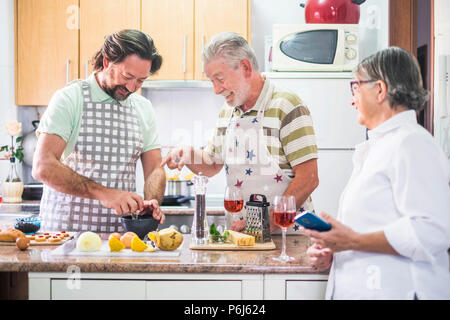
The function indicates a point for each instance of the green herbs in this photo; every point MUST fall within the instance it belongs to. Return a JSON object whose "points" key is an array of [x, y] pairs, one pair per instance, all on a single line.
{"points": [[215, 235]]}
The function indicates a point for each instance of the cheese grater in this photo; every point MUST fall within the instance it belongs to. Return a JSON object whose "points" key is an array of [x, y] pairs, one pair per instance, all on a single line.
{"points": [[257, 221]]}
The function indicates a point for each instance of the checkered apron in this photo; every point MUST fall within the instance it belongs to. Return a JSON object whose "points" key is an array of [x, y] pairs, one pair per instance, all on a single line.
{"points": [[107, 149]]}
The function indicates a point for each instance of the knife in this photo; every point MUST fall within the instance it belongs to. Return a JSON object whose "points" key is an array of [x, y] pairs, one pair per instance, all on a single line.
{"points": [[68, 246]]}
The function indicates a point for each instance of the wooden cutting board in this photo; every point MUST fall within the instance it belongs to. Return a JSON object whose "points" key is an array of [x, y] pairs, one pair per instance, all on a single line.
{"points": [[231, 246], [42, 243]]}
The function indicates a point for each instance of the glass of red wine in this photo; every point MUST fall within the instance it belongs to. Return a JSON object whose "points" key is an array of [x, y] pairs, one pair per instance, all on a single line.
{"points": [[233, 203], [284, 210]]}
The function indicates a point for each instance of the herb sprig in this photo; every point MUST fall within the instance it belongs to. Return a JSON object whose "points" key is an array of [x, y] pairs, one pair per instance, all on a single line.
{"points": [[216, 236]]}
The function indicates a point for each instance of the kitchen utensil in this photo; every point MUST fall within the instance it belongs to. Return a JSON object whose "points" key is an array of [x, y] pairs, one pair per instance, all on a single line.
{"points": [[332, 11], [232, 247], [69, 249], [257, 221], [32, 191], [29, 144], [175, 200], [141, 226], [28, 225], [178, 187], [199, 229]]}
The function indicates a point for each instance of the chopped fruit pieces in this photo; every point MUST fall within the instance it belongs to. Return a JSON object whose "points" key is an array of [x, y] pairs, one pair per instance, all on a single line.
{"points": [[138, 245], [115, 244]]}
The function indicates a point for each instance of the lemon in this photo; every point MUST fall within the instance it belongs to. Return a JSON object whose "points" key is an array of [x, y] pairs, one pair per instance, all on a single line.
{"points": [[154, 236], [138, 245], [115, 244]]}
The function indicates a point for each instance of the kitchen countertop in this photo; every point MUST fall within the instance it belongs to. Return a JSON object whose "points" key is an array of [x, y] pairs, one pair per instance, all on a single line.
{"points": [[39, 259], [213, 207]]}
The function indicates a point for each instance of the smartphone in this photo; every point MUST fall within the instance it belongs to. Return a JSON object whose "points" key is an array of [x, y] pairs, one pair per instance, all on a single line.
{"points": [[310, 221]]}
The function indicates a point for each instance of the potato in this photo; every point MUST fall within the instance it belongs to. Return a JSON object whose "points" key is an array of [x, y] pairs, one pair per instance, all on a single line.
{"points": [[170, 239]]}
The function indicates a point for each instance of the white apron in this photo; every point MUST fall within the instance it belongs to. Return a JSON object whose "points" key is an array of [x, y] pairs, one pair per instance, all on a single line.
{"points": [[249, 164], [107, 149]]}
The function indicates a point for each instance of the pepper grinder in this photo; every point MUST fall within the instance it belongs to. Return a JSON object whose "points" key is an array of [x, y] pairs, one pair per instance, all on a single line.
{"points": [[200, 233]]}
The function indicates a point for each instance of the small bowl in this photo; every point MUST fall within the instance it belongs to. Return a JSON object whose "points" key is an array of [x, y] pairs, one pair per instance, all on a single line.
{"points": [[141, 226], [28, 225]]}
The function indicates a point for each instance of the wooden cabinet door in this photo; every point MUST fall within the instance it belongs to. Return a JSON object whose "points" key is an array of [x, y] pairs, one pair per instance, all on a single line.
{"points": [[170, 23], [99, 19], [46, 48], [212, 17]]}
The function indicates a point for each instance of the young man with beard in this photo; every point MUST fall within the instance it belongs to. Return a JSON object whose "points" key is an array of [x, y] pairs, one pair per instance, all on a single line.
{"points": [[91, 136]]}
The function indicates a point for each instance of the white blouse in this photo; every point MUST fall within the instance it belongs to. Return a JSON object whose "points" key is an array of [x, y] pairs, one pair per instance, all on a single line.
{"points": [[399, 184]]}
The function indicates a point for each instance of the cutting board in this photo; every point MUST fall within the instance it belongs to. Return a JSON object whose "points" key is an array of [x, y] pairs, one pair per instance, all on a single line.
{"points": [[42, 243], [231, 246], [105, 252]]}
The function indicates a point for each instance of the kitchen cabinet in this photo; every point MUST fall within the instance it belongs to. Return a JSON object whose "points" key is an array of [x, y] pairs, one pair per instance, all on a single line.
{"points": [[150, 286], [174, 286], [295, 286], [100, 18], [55, 39], [181, 29], [46, 49], [170, 23]]}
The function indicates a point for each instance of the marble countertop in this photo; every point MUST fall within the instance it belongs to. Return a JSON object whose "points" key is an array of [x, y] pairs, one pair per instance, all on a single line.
{"points": [[40, 259]]}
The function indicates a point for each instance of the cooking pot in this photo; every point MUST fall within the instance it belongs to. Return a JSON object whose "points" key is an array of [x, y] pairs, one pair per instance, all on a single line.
{"points": [[332, 11], [29, 144], [177, 192]]}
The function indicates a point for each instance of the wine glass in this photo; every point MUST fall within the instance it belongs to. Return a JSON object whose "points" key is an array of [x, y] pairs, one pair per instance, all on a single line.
{"points": [[284, 210], [233, 203]]}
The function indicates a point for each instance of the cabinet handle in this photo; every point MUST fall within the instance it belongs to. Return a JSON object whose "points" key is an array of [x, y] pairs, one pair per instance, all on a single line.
{"points": [[203, 48], [67, 71], [87, 68], [184, 53]]}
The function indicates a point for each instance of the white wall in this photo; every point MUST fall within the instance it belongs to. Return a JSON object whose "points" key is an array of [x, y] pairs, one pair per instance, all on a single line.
{"points": [[442, 102], [8, 110]]}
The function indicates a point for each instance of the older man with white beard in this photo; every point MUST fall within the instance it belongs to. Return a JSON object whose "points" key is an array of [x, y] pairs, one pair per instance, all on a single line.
{"points": [[264, 137]]}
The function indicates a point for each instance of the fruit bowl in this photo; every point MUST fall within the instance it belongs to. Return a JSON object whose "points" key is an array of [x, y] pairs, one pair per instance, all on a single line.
{"points": [[28, 225], [141, 226]]}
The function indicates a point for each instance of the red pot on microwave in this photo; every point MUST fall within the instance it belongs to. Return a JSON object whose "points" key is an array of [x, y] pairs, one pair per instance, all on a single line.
{"points": [[332, 11]]}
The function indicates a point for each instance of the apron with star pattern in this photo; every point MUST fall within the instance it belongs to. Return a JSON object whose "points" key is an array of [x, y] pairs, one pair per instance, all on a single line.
{"points": [[249, 164], [107, 149]]}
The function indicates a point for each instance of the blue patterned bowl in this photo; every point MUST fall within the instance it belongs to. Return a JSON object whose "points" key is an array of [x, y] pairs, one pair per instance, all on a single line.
{"points": [[28, 225]]}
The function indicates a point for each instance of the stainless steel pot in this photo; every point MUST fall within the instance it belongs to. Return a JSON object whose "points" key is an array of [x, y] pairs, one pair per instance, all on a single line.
{"points": [[178, 188], [177, 192]]}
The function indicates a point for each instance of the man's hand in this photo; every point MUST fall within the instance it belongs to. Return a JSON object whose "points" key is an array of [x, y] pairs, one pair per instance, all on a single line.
{"points": [[177, 158], [152, 206], [320, 257], [122, 202]]}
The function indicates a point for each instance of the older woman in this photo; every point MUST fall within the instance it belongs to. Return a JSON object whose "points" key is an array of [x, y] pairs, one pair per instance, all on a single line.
{"points": [[391, 236]]}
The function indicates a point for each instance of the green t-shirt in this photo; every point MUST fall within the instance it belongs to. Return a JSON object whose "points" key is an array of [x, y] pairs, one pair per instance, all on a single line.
{"points": [[63, 114]]}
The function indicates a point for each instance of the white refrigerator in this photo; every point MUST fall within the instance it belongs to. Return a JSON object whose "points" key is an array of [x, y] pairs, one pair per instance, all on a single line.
{"points": [[328, 97]]}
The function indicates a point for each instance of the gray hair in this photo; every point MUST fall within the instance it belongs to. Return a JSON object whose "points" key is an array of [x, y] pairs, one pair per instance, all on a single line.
{"points": [[232, 47], [401, 73]]}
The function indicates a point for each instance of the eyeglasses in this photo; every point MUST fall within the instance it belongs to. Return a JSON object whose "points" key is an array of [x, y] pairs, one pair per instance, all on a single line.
{"points": [[354, 85]]}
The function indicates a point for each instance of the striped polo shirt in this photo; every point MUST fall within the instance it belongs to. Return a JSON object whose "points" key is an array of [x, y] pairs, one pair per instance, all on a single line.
{"points": [[287, 125]]}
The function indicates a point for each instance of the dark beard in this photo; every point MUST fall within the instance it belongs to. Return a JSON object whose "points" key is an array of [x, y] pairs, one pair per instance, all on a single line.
{"points": [[112, 91]]}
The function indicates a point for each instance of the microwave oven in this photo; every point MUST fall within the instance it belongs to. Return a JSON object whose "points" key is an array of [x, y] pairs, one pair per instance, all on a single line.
{"points": [[315, 47]]}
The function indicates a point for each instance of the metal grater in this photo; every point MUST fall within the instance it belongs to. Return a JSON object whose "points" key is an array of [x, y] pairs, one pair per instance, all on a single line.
{"points": [[257, 221]]}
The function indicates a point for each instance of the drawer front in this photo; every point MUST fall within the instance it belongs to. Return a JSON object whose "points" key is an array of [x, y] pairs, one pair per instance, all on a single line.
{"points": [[305, 290], [194, 290], [87, 289]]}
